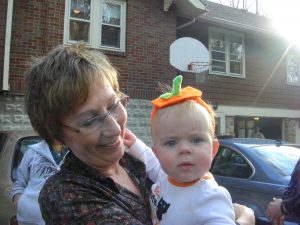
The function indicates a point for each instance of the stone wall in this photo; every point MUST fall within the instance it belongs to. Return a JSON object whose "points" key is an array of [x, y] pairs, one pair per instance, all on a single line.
{"points": [[12, 113], [289, 130], [13, 116], [138, 119], [229, 126]]}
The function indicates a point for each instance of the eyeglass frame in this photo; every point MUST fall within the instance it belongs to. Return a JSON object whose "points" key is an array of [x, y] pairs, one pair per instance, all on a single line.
{"points": [[103, 116]]}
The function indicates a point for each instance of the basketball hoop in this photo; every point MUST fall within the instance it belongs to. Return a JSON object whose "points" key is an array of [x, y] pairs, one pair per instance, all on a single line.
{"points": [[200, 69], [190, 55]]}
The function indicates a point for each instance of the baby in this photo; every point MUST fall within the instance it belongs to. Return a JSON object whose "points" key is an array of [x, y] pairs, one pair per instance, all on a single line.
{"points": [[182, 130]]}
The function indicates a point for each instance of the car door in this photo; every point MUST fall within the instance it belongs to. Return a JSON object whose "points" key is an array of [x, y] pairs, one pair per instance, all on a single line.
{"points": [[236, 173], [13, 147]]}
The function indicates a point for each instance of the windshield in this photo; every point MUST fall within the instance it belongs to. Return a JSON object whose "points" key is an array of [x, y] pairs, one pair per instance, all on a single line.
{"points": [[282, 159]]}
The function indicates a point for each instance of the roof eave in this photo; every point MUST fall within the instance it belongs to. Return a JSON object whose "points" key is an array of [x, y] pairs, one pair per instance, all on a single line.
{"points": [[187, 8], [237, 26]]}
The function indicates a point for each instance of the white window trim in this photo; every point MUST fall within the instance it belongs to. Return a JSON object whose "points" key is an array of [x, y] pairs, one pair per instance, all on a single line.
{"points": [[227, 53], [95, 25], [290, 57]]}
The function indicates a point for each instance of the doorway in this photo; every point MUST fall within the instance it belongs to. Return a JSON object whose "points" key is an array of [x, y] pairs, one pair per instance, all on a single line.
{"points": [[270, 127]]}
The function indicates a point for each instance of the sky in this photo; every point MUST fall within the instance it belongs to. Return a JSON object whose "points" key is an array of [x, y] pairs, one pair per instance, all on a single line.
{"points": [[285, 15], [269, 8]]}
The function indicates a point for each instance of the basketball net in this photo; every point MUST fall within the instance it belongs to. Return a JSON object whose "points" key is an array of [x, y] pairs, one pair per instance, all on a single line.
{"points": [[200, 69]]}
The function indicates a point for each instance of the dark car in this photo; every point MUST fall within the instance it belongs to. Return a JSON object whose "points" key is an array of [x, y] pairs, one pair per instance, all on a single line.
{"points": [[254, 171], [12, 147]]}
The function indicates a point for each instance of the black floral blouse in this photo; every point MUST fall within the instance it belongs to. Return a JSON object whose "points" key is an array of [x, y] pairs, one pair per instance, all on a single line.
{"points": [[78, 194]]}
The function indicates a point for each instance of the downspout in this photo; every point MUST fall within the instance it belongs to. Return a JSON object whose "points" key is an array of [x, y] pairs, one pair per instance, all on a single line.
{"points": [[5, 84], [186, 24]]}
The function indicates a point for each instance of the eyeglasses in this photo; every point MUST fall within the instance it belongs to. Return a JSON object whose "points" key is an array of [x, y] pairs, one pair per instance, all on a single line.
{"points": [[93, 124]]}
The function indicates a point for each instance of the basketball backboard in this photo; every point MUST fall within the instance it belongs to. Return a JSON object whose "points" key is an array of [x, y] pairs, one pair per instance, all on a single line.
{"points": [[189, 55]]}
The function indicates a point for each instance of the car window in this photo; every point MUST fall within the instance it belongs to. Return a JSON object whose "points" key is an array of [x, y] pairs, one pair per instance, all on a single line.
{"points": [[20, 148], [231, 164], [281, 158]]}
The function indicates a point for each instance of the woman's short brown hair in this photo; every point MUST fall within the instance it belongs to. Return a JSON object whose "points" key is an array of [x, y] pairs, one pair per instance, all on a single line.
{"points": [[59, 82]]}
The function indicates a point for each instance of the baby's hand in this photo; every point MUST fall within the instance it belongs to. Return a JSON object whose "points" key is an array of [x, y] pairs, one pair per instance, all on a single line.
{"points": [[243, 214], [129, 138], [16, 199]]}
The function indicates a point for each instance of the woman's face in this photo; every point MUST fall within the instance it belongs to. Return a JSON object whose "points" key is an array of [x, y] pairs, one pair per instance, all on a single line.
{"points": [[104, 146]]}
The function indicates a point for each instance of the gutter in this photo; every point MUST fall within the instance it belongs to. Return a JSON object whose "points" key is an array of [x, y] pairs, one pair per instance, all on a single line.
{"points": [[186, 24], [5, 84]]}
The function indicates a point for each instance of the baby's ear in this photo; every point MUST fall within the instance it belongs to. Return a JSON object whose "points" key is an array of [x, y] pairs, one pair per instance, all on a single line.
{"points": [[215, 147]]}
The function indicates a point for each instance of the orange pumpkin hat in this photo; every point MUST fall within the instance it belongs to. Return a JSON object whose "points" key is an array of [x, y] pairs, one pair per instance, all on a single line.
{"points": [[178, 95]]}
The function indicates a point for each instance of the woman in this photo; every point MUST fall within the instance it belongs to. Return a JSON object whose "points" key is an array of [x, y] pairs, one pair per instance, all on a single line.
{"points": [[72, 96], [289, 205]]}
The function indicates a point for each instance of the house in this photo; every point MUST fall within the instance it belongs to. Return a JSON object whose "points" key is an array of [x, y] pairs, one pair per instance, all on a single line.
{"points": [[254, 88], [254, 76]]}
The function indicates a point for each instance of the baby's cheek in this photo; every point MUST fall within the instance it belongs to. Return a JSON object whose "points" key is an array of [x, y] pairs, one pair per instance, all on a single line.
{"points": [[204, 160], [166, 162]]}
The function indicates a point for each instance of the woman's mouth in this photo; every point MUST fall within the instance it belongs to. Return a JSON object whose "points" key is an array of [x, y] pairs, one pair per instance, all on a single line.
{"points": [[111, 145]]}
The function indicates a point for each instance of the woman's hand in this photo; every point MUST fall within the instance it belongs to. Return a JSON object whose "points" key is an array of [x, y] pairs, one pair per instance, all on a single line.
{"points": [[129, 138], [243, 215], [273, 212]]}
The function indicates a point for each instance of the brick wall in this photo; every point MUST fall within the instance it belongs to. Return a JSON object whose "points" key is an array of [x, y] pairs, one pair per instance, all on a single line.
{"points": [[38, 26], [150, 31]]}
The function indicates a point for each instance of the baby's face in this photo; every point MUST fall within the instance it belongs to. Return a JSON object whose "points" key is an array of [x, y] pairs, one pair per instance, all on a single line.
{"points": [[183, 144]]}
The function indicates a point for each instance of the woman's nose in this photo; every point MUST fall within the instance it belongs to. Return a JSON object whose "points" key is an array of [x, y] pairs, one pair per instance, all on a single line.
{"points": [[111, 127]]}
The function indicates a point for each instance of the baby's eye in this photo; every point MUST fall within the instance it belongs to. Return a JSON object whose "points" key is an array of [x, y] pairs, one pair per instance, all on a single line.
{"points": [[196, 140], [170, 143]]}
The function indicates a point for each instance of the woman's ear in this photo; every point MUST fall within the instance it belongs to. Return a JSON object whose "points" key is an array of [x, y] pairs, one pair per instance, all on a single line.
{"points": [[154, 149], [215, 147]]}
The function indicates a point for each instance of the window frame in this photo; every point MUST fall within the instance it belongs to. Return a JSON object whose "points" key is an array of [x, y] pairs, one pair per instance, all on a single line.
{"points": [[232, 168], [95, 31], [227, 52]]}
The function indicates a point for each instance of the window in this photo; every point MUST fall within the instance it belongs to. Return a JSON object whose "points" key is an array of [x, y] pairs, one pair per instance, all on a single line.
{"points": [[100, 23], [227, 53], [293, 76], [20, 148], [230, 164], [283, 160]]}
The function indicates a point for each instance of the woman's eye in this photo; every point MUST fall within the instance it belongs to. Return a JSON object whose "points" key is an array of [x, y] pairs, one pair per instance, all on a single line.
{"points": [[113, 106], [91, 122], [170, 143]]}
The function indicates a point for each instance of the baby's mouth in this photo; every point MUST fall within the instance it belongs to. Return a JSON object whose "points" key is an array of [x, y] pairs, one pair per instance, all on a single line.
{"points": [[185, 165]]}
